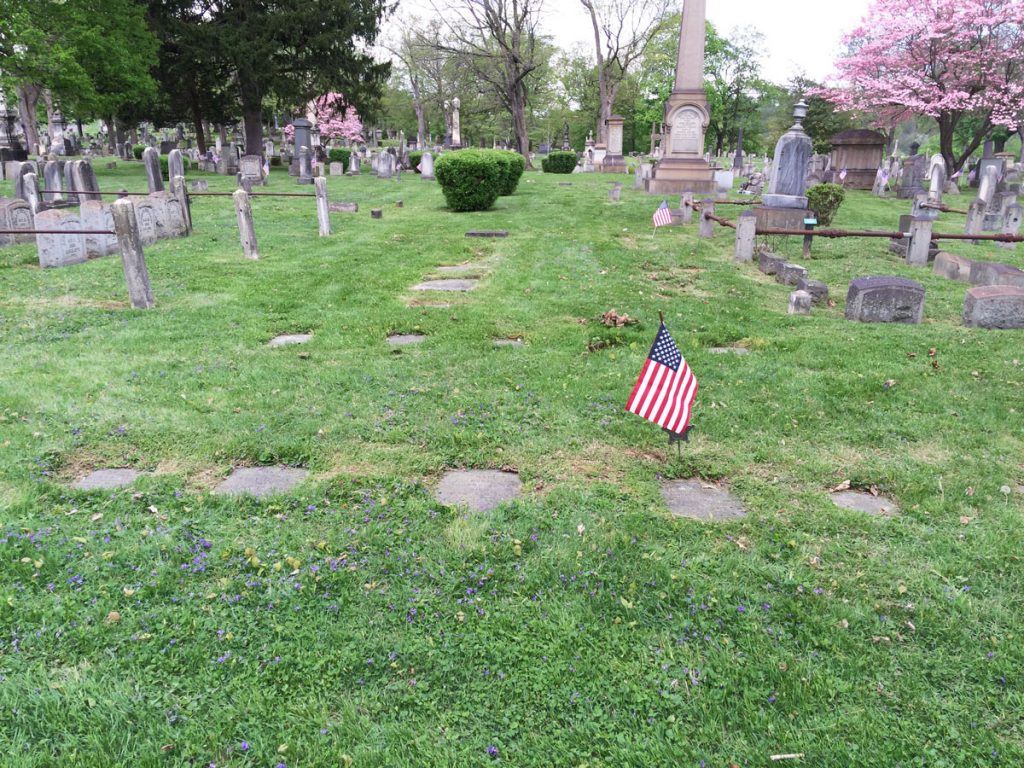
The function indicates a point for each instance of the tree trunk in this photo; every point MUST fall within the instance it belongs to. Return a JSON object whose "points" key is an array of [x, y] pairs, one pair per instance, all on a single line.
{"points": [[197, 121], [252, 113], [947, 128], [112, 135], [519, 121], [417, 105], [28, 103], [606, 96], [51, 125]]}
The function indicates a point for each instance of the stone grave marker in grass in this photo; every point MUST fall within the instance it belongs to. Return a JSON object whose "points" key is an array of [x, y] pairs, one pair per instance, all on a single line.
{"points": [[698, 500], [344, 207], [405, 339], [446, 285], [728, 350], [106, 479], [289, 338], [487, 233], [508, 343], [858, 501], [478, 489], [261, 481]]}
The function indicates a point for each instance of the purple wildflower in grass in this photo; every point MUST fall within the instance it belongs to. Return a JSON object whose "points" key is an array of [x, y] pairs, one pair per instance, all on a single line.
{"points": [[244, 746], [771, 699], [819, 591], [492, 751], [741, 609]]}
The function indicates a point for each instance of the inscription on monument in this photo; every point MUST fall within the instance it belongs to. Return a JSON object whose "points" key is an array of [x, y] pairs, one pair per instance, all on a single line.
{"points": [[686, 132]]}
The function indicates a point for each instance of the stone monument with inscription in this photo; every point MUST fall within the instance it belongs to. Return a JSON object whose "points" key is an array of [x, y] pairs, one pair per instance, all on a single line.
{"points": [[682, 167], [613, 161]]}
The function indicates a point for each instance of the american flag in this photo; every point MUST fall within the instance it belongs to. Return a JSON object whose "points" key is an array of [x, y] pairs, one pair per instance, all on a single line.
{"points": [[266, 166], [662, 216], [665, 390], [842, 175]]}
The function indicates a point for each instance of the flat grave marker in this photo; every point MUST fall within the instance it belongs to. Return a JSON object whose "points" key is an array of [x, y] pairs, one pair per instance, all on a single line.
{"points": [[289, 338], [446, 285], [478, 489], [698, 500], [858, 501], [107, 479], [405, 339], [260, 481]]}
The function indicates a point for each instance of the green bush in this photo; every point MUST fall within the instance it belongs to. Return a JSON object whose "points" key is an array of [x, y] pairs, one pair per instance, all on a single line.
{"points": [[824, 200], [185, 163], [512, 166], [414, 160], [137, 150], [339, 155], [275, 161], [470, 179], [559, 162]]}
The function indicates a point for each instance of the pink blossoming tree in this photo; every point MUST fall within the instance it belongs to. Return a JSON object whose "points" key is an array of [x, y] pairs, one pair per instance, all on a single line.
{"points": [[947, 59], [333, 117]]}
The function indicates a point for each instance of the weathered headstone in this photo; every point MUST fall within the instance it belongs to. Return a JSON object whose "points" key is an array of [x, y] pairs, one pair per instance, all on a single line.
{"points": [[706, 227], [914, 168], [746, 234], [994, 306], [199, 186], [288, 339], [800, 303], [305, 167], [30, 191], [146, 218], [885, 300], [920, 241], [858, 501], [353, 164], [52, 183], [106, 479], [133, 261], [97, 216], [427, 166], [952, 267], [405, 339], [323, 213], [817, 289], [251, 169], [151, 160], [175, 164], [994, 273], [1012, 218], [790, 274], [343, 207], [936, 179], [16, 214], [246, 230], [769, 263], [59, 250], [337, 169], [789, 175], [86, 181]]}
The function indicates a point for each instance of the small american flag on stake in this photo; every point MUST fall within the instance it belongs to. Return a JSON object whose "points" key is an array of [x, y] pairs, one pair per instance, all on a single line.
{"points": [[666, 388], [842, 175], [662, 216]]}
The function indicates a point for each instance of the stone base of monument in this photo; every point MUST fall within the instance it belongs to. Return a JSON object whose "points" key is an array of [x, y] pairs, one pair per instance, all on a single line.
{"points": [[613, 164], [781, 218], [674, 177], [784, 201]]}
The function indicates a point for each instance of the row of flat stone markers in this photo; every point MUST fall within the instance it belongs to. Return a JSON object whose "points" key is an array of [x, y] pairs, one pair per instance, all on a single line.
{"points": [[996, 301]]}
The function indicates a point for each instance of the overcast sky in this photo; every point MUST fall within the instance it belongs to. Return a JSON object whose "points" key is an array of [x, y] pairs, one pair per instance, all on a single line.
{"points": [[801, 36]]}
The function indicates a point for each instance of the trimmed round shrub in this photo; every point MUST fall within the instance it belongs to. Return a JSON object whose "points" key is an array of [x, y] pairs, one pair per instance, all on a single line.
{"points": [[339, 155], [512, 166], [185, 163], [137, 150], [414, 160], [824, 200], [559, 162], [470, 179]]}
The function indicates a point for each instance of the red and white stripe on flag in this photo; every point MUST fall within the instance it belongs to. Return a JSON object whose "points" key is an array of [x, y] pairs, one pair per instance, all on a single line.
{"points": [[665, 391], [663, 216]]}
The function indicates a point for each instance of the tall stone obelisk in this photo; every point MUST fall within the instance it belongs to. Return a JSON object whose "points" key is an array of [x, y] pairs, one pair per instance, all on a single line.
{"points": [[682, 167]]}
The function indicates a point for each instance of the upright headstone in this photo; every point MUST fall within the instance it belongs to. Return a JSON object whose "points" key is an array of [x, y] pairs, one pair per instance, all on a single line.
{"points": [[20, 172], [59, 250], [96, 216], [151, 160], [305, 167], [146, 217], [184, 208], [885, 300], [175, 165], [85, 180], [792, 152], [251, 168], [682, 167], [912, 177], [303, 138], [427, 166], [385, 165], [15, 214], [323, 212], [129, 241], [353, 164], [936, 179], [30, 190], [51, 182]]}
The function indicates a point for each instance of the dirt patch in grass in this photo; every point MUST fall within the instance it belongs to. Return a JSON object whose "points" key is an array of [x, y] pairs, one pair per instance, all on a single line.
{"points": [[66, 301], [79, 463]]}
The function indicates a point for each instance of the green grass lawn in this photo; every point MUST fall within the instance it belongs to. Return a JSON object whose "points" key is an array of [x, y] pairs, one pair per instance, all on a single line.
{"points": [[358, 622]]}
